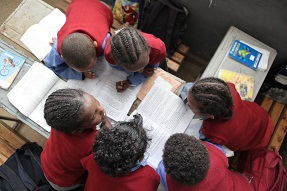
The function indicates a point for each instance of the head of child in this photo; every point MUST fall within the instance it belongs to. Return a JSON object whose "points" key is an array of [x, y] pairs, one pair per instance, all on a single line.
{"points": [[79, 52], [72, 110], [120, 149], [185, 159], [129, 49], [210, 98]]}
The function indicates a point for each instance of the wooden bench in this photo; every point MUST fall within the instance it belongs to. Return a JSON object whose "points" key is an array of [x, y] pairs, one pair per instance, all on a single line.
{"points": [[173, 62], [10, 140], [278, 113]]}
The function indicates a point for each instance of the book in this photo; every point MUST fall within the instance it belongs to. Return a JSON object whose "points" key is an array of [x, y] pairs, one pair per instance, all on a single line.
{"points": [[164, 113], [244, 84], [166, 79], [245, 54], [10, 65], [38, 37], [265, 56], [30, 93]]}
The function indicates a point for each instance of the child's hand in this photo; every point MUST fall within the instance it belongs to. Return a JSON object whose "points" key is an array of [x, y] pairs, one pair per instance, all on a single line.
{"points": [[90, 74], [122, 85], [106, 123], [148, 71], [53, 41]]}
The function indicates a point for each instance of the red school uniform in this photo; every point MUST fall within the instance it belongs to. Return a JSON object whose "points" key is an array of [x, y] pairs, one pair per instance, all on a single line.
{"points": [[249, 127], [62, 154], [143, 179], [90, 17], [218, 177]]}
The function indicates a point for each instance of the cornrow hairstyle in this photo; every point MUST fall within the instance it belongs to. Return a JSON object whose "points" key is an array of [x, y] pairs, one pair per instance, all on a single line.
{"points": [[78, 50], [117, 150], [129, 49], [214, 96], [185, 159], [63, 110]]}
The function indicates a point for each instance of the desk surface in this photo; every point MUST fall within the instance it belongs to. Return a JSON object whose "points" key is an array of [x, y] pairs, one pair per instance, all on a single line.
{"points": [[5, 104], [221, 60]]}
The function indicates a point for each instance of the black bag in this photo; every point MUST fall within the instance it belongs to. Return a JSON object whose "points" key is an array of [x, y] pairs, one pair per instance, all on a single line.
{"points": [[166, 19], [22, 171]]}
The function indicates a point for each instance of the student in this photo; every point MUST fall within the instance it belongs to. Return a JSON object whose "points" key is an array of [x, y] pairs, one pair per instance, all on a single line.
{"points": [[81, 39], [73, 116], [138, 53], [192, 165], [119, 161], [85, 36], [228, 120]]}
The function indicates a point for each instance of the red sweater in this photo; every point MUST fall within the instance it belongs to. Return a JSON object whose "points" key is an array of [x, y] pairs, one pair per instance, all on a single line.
{"points": [[143, 179], [157, 49], [62, 154], [249, 127], [218, 178], [90, 17]]}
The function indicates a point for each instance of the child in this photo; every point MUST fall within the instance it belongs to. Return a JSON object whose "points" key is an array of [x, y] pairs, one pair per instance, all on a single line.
{"points": [[81, 39], [85, 36], [189, 164], [228, 120], [118, 162], [138, 53], [73, 116]]}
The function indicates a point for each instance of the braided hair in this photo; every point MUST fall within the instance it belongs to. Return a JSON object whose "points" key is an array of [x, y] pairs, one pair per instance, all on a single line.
{"points": [[118, 149], [129, 49], [63, 110], [214, 96], [78, 50]]}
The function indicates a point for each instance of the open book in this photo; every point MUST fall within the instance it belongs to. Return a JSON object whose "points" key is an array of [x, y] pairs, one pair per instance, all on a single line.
{"points": [[30, 93], [244, 84], [10, 64], [39, 36], [164, 114]]}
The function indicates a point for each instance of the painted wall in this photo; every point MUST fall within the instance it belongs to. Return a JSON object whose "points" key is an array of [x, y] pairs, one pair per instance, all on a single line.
{"points": [[209, 20]]}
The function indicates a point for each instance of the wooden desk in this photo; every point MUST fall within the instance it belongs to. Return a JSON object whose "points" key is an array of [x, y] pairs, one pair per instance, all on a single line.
{"points": [[221, 60]]}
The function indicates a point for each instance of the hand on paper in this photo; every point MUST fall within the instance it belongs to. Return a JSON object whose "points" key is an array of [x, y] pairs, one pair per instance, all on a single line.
{"points": [[53, 40], [148, 71], [90, 74], [122, 85]]}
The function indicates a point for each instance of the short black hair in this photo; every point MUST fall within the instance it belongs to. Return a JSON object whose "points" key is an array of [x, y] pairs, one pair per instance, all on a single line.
{"points": [[63, 110], [78, 50], [214, 96], [185, 159], [117, 150]]}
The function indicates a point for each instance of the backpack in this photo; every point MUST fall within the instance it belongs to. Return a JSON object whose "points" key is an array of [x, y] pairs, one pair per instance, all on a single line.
{"points": [[265, 169], [128, 11], [165, 19], [23, 172]]}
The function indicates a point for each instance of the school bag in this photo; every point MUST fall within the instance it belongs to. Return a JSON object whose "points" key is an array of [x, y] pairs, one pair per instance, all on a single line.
{"points": [[165, 19], [23, 172], [128, 11], [265, 170]]}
